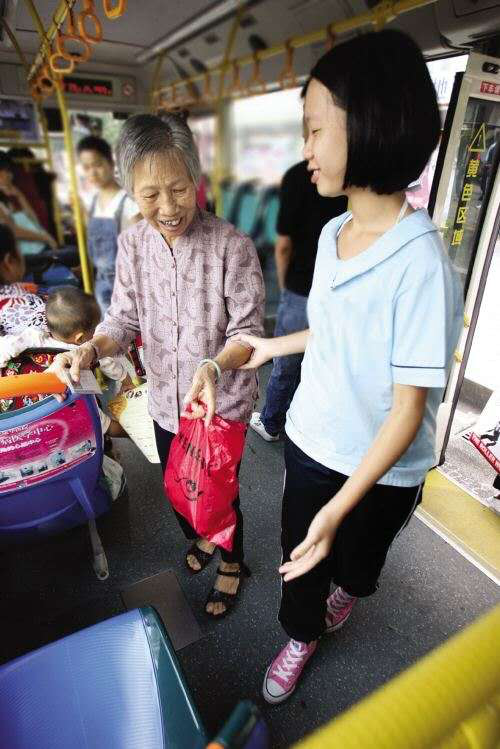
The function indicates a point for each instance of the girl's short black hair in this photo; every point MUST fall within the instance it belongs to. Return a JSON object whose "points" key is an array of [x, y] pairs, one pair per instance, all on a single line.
{"points": [[94, 143], [8, 244], [381, 80]]}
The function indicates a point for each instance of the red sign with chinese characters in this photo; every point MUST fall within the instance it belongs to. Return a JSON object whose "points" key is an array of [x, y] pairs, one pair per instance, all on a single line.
{"points": [[490, 88], [88, 86]]}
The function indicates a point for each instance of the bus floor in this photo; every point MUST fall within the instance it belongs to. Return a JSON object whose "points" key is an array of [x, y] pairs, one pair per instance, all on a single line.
{"points": [[428, 591]]}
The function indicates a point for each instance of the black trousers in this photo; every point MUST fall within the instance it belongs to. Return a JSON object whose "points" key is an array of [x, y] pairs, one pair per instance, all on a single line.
{"points": [[163, 442], [359, 548]]}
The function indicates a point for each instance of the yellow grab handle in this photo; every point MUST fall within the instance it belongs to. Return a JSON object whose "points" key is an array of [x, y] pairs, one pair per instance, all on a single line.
{"points": [[61, 40], [45, 82], [71, 35], [114, 11], [30, 384], [55, 66], [88, 14], [287, 78]]}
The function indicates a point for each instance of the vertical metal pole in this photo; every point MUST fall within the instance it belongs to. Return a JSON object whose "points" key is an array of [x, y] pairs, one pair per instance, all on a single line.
{"points": [[221, 165], [88, 284], [43, 122], [68, 141]]}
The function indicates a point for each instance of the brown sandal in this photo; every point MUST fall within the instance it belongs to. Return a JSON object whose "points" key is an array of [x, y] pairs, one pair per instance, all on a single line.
{"points": [[202, 557], [228, 599]]}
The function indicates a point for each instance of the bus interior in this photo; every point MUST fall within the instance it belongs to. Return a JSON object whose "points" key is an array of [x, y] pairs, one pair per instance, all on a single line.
{"points": [[237, 68]]}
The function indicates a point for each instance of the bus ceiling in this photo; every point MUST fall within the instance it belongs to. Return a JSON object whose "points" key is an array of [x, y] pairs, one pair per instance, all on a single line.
{"points": [[155, 45]]}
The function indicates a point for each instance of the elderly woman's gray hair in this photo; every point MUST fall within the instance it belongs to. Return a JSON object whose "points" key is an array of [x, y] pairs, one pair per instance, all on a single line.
{"points": [[145, 135]]}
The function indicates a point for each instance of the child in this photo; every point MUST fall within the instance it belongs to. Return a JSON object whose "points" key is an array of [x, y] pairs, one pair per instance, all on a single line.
{"points": [[71, 317], [385, 312], [20, 305], [111, 212]]}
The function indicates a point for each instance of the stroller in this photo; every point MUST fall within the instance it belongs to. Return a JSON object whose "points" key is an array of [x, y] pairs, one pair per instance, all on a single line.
{"points": [[51, 457]]}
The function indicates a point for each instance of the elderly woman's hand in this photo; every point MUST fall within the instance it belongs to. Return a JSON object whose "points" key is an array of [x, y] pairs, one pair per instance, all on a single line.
{"points": [[201, 397], [71, 362]]}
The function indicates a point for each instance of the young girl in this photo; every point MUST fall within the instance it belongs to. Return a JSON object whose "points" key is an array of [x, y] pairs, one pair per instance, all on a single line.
{"points": [[110, 212], [385, 312]]}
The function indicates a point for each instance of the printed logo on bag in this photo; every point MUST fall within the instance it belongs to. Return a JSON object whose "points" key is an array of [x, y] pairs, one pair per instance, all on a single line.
{"points": [[189, 489], [193, 451]]}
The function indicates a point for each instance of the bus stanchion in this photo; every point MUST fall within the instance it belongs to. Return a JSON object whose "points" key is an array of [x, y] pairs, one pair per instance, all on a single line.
{"points": [[88, 284]]}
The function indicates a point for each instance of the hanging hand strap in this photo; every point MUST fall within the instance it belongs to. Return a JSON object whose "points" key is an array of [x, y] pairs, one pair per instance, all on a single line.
{"points": [[256, 84], [287, 78], [114, 11], [88, 15], [71, 36]]}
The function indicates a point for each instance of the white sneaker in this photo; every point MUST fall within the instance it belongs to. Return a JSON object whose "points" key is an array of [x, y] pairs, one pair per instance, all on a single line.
{"points": [[257, 425]]}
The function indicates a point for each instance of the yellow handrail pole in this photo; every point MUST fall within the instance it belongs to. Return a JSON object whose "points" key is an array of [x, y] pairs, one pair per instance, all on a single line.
{"points": [[68, 142], [47, 37], [220, 131], [369, 18], [46, 139], [450, 698], [88, 283]]}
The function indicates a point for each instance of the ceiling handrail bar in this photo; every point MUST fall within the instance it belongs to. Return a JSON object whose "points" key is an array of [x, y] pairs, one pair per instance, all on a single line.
{"points": [[369, 18]]}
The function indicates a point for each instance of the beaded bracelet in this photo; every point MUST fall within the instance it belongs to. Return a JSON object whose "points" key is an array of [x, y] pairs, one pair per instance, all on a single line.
{"points": [[218, 371]]}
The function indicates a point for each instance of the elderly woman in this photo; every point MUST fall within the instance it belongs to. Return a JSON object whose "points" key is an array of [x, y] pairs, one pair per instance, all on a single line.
{"points": [[190, 284]]}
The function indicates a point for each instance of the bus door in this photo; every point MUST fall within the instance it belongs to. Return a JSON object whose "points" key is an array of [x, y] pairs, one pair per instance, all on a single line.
{"points": [[464, 204]]}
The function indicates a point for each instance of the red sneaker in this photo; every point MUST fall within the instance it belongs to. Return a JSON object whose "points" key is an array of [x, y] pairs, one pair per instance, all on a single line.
{"points": [[338, 609], [284, 672]]}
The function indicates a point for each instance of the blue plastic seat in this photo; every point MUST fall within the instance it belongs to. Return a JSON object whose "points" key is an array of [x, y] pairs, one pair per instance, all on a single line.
{"points": [[50, 467], [116, 685], [62, 491]]}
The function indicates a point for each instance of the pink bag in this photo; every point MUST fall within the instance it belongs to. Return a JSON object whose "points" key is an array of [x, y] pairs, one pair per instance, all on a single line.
{"points": [[201, 478]]}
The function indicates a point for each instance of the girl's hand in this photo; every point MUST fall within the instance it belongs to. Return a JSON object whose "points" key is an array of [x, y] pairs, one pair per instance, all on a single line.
{"points": [[262, 350], [71, 362], [315, 547], [201, 397]]}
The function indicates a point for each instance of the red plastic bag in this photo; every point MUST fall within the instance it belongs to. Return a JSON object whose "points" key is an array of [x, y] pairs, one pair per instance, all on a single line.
{"points": [[201, 479]]}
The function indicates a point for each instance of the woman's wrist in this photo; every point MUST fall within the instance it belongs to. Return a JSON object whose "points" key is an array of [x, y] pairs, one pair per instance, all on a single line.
{"points": [[215, 367]]}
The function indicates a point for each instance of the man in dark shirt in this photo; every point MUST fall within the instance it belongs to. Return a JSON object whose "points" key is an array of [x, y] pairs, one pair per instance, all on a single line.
{"points": [[302, 215]]}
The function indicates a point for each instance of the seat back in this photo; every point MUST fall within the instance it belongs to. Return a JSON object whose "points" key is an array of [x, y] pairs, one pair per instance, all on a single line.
{"points": [[267, 220], [117, 685], [245, 729], [50, 465], [247, 213], [228, 191]]}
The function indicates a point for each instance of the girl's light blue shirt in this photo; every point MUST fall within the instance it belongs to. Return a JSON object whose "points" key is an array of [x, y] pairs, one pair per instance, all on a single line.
{"points": [[392, 314]]}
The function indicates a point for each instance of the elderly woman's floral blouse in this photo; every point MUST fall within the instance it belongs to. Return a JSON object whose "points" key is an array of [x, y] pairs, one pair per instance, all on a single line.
{"points": [[187, 303]]}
